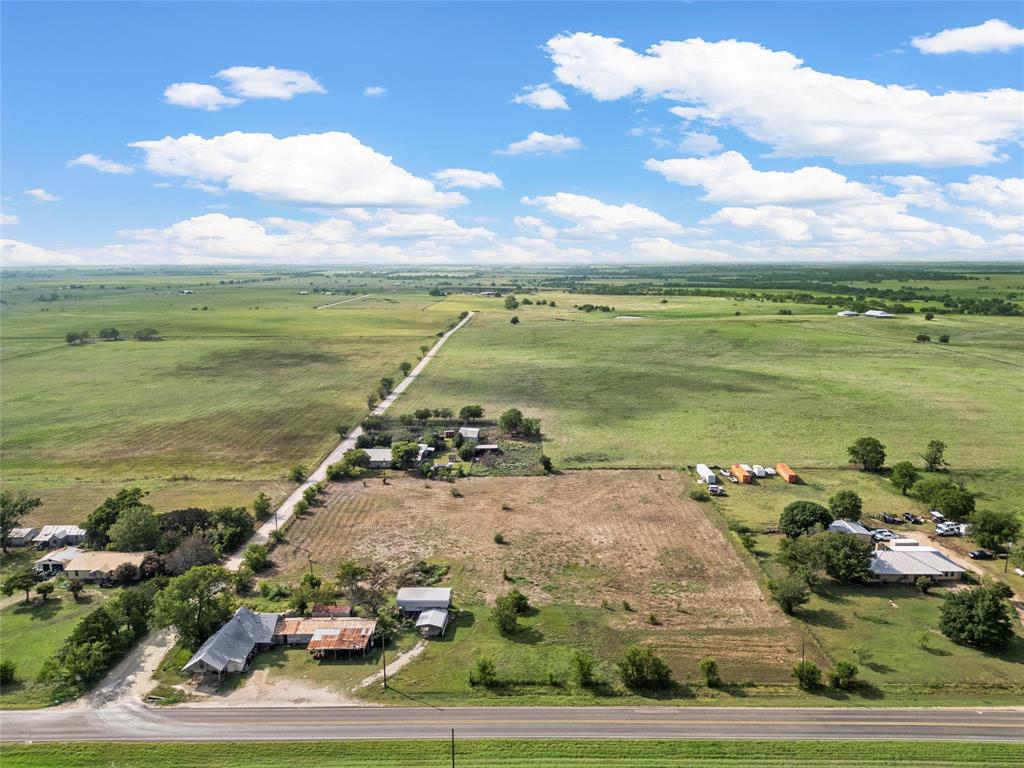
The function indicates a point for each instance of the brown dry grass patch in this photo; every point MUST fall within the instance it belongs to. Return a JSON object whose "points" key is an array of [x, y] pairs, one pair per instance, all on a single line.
{"points": [[583, 538]]}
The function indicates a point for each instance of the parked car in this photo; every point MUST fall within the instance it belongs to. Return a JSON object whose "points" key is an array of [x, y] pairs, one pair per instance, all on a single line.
{"points": [[981, 554], [936, 516], [890, 519], [882, 534], [716, 490], [770, 471], [911, 518], [948, 529]]}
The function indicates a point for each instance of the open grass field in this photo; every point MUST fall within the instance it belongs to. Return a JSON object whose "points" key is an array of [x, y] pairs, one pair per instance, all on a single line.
{"points": [[248, 379], [690, 381], [30, 634], [531, 754]]}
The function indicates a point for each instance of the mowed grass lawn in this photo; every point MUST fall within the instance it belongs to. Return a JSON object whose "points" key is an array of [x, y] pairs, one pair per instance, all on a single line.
{"points": [[31, 634], [242, 390], [530, 754], [691, 381]]}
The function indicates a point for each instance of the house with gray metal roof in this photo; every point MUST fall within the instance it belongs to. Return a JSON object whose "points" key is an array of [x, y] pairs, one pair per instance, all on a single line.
{"points": [[850, 527], [414, 600], [59, 536], [380, 458], [907, 565], [231, 647]]}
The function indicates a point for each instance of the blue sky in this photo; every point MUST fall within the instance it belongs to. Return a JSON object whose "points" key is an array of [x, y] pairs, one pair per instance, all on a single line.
{"points": [[876, 147]]}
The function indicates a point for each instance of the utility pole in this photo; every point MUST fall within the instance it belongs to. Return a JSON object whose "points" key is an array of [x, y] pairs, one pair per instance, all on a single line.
{"points": [[310, 558], [453, 748], [384, 658]]}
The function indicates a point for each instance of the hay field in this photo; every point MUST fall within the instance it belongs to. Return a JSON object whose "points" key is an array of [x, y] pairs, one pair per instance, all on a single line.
{"points": [[239, 391]]}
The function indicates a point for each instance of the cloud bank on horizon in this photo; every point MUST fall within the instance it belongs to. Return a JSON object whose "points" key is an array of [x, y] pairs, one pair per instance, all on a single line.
{"points": [[686, 150]]}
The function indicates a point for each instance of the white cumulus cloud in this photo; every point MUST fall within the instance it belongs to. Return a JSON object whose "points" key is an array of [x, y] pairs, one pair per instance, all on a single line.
{"points": [[538, 143], [89, 160], [198, 96], [776, 99], [268, 82], [730, 178], [374, 91], [466, 178], [993, 35], [41, 195], [541, 96], [592, 217], [327, 169]]}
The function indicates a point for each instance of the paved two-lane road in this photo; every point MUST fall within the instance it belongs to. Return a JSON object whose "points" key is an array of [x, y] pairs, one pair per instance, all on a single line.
{"points": [[136, 723]]}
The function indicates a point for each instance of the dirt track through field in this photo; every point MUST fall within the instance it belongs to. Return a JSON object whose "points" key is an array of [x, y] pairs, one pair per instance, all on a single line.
{"points": [[583, 538]]}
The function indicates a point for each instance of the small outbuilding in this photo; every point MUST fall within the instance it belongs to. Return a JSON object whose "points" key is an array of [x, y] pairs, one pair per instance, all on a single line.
{"points": [[432, 623], [877, 313], [58, 536], [414, 600], [850, 527], [846, 313], [380, 458], [487, 448], [21, 537], [742, 475], [705, 474], [470, 433], [786, 473]]}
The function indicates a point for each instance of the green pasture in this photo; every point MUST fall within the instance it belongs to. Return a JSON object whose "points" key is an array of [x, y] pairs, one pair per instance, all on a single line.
{"points": [[242, 390], [534, 753]]}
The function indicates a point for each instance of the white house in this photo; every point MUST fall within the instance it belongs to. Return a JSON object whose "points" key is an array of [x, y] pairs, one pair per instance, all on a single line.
{"points": [[414, 600], [100, 566], [906, 564], [54, 562], [705, 474], [877, 313], [850, 527]]}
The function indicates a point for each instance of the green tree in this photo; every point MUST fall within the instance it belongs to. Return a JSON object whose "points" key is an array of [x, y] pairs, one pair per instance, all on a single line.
{"points": [[384, 386], [903, 477], [868, 452], [404, 455], [471, 413], [231, 527], [196, 604], [801, 517], [935, 455], [505, 616], [954, 503], [405, 367], [22, 580], [511, 421], [257, 557], [584, 667], [75, 588], [845, 505], [136, 530], [944, 338], [843, 676], [995, 529], [546, 465], [928, 488], [641, 668], [106, 514], [923, 338], [423, 414], [298, 473], [846, 558], [979, 616], [709, 669], [147, 334], [511, 302], [514, 320], [44, 589], [110, 334], [790, 592], [261, 505], [808, 675], [8, 673], [484, 673], [350, 575], [13, 509]]}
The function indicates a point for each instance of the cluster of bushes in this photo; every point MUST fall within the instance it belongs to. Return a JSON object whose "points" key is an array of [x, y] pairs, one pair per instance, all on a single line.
{"points": [[181, 538], [588, 308], [100, 639], [353, 464], [507, 610]]}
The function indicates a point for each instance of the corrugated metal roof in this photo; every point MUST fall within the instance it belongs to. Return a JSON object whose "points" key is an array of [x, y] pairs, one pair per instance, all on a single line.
{"points": [[235, 640], [435, 617], [419, 594], [912, 563], [848, 526], [355, 635]]}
